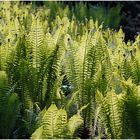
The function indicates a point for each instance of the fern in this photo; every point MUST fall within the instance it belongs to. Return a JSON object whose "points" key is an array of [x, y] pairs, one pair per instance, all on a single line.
{"points": [[135, 71], [9, 107], [55, 124], [40, 47], [111, 112], [35, 39], [131, 110], [49, 123]]}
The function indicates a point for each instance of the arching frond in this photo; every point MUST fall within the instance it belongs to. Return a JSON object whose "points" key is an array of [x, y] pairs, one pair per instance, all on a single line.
{"points": [[55, 124]]}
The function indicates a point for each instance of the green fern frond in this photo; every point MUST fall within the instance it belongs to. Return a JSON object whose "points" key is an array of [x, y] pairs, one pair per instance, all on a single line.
{"points": [[35, 41], [131, 115], [53, 70], [112, 115], [38, 133], [136, 71], [61, 124], [54, 123], [9, 107], [48, 122], [74, 123]]}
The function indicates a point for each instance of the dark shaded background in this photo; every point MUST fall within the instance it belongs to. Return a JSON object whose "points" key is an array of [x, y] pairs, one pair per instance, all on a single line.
{"points": [[130, 14]]}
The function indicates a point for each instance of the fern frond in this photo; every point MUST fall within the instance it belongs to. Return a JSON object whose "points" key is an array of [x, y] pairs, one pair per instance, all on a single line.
{"points": [[9, 107], [53, 68], [131, 115], [112, 115], [38, 133], [136, 71], [54, 123], [74, 123], [61, 126], [48, 121], [35, 41]]}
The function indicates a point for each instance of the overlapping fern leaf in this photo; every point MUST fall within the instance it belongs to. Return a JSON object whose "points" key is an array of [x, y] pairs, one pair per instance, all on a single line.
{"points": [[54, 123], [131, 114], [9, 107]]}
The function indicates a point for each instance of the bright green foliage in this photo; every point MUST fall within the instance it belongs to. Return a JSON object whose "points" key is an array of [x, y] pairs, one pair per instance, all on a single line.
{"points": [[54, 123], [120, 113], [131, 106], [111, 113], [40, 48], [9, 107]]}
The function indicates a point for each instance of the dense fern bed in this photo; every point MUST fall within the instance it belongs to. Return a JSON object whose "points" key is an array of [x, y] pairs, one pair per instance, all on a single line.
{"points": [[61, 78]]}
